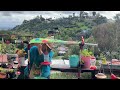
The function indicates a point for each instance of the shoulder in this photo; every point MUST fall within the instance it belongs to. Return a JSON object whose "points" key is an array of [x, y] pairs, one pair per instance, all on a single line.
{"points": [[26, 48], [33, 48], [51, 51]]}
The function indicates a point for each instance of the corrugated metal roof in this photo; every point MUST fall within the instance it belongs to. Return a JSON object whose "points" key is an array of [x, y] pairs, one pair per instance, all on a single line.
{"points": [[3, 58]]}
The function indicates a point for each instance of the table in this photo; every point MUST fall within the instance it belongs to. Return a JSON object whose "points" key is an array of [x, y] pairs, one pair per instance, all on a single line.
{"points": [[67, 68]]}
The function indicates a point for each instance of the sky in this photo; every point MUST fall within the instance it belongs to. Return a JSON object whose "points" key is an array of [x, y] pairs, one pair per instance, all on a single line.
{"points": [[9, 19]]}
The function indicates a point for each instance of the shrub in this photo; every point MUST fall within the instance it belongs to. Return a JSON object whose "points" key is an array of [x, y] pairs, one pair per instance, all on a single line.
{"points": [[85, 52]]}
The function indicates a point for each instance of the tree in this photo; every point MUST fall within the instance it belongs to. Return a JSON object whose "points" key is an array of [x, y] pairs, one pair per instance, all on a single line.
{"points": [[85, 15], [25, 21], [117, 17], [81, 15], [105, 36], [117, 31], [94, 13], [99, 19]]}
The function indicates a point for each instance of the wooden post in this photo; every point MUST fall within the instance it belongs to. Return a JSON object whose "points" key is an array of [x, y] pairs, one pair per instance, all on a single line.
{"points": [[79, 67]]}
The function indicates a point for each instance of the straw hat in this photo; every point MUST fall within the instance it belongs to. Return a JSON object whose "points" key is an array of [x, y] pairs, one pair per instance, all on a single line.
{"points": [[100, 76]]}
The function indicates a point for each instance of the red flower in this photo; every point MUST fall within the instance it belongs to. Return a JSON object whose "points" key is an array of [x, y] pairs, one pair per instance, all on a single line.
{"points": [[93, 67]]}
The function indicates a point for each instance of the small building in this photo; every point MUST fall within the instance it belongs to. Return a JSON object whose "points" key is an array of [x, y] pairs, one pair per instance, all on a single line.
{"points": [[62, 50], [3, 36], [3, 59], [27, 37]]}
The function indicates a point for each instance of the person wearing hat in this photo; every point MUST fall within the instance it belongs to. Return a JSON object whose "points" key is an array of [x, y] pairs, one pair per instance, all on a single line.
{"points": [[40, 59], [48, 54]]}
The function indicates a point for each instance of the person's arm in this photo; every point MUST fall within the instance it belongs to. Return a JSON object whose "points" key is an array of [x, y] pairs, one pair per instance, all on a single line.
{"points": [[40, 49], [31, 59], [32, 55], [51, 54], [26, 51], [39, 57]]}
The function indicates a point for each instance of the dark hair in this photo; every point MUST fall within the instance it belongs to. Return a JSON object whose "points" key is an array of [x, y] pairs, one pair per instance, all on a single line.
{"points": [[51, 32], [20, 46], [48, 49]]}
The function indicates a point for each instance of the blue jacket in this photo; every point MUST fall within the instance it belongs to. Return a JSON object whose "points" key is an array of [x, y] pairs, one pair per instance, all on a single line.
{"points": [[37, 59]]}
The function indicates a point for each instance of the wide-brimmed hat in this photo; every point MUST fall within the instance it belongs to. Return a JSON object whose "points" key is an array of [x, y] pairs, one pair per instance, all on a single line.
{"points": [[100, 76]]}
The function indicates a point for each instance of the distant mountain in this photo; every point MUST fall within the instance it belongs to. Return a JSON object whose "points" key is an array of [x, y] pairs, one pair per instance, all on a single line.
{"points": [[5, 28], [72, 26]]}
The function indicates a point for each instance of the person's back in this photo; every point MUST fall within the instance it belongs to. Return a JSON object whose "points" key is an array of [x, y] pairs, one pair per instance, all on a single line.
{"points": [[34, 57]]}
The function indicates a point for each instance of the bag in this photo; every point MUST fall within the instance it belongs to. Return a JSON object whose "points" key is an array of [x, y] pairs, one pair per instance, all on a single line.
{"points": [[35, 70]]}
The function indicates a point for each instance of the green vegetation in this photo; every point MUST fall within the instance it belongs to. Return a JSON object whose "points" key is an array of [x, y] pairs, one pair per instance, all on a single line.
{"points": [[95, 29], [85, 52], [66, 75], [8, 48]]}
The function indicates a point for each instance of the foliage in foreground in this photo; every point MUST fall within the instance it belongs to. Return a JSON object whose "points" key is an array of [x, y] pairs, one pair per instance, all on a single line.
{"points": [[68, 75]]}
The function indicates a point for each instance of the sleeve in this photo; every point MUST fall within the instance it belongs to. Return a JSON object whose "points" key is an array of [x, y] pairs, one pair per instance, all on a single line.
{"points": [[32, 55], [51, 54], [35, 56], [31, 59], [26, 50], [41, 58]]}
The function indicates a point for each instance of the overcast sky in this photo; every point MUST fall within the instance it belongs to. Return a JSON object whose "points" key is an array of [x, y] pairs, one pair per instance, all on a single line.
{"points": [[9, 19]]}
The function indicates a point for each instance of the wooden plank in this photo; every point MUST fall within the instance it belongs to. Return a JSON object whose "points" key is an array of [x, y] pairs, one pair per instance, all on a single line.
{"points": [[117, 67], [67, 68]]}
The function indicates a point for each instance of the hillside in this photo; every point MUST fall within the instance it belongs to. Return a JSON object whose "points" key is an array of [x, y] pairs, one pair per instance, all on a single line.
{"points": [[95, 29], [71, 27]]}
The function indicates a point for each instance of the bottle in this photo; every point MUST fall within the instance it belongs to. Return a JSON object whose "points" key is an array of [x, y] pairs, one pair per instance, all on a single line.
{"points": [[93, 61]]}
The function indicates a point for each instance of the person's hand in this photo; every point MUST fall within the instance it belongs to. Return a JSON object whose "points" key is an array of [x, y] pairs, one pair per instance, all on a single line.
{"points": [[39, 47]]}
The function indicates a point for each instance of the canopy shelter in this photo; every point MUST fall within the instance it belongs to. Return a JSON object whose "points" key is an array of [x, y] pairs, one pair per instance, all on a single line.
{"points": [[3, 58], [27, 37], [22, 39], [2, 36]]}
